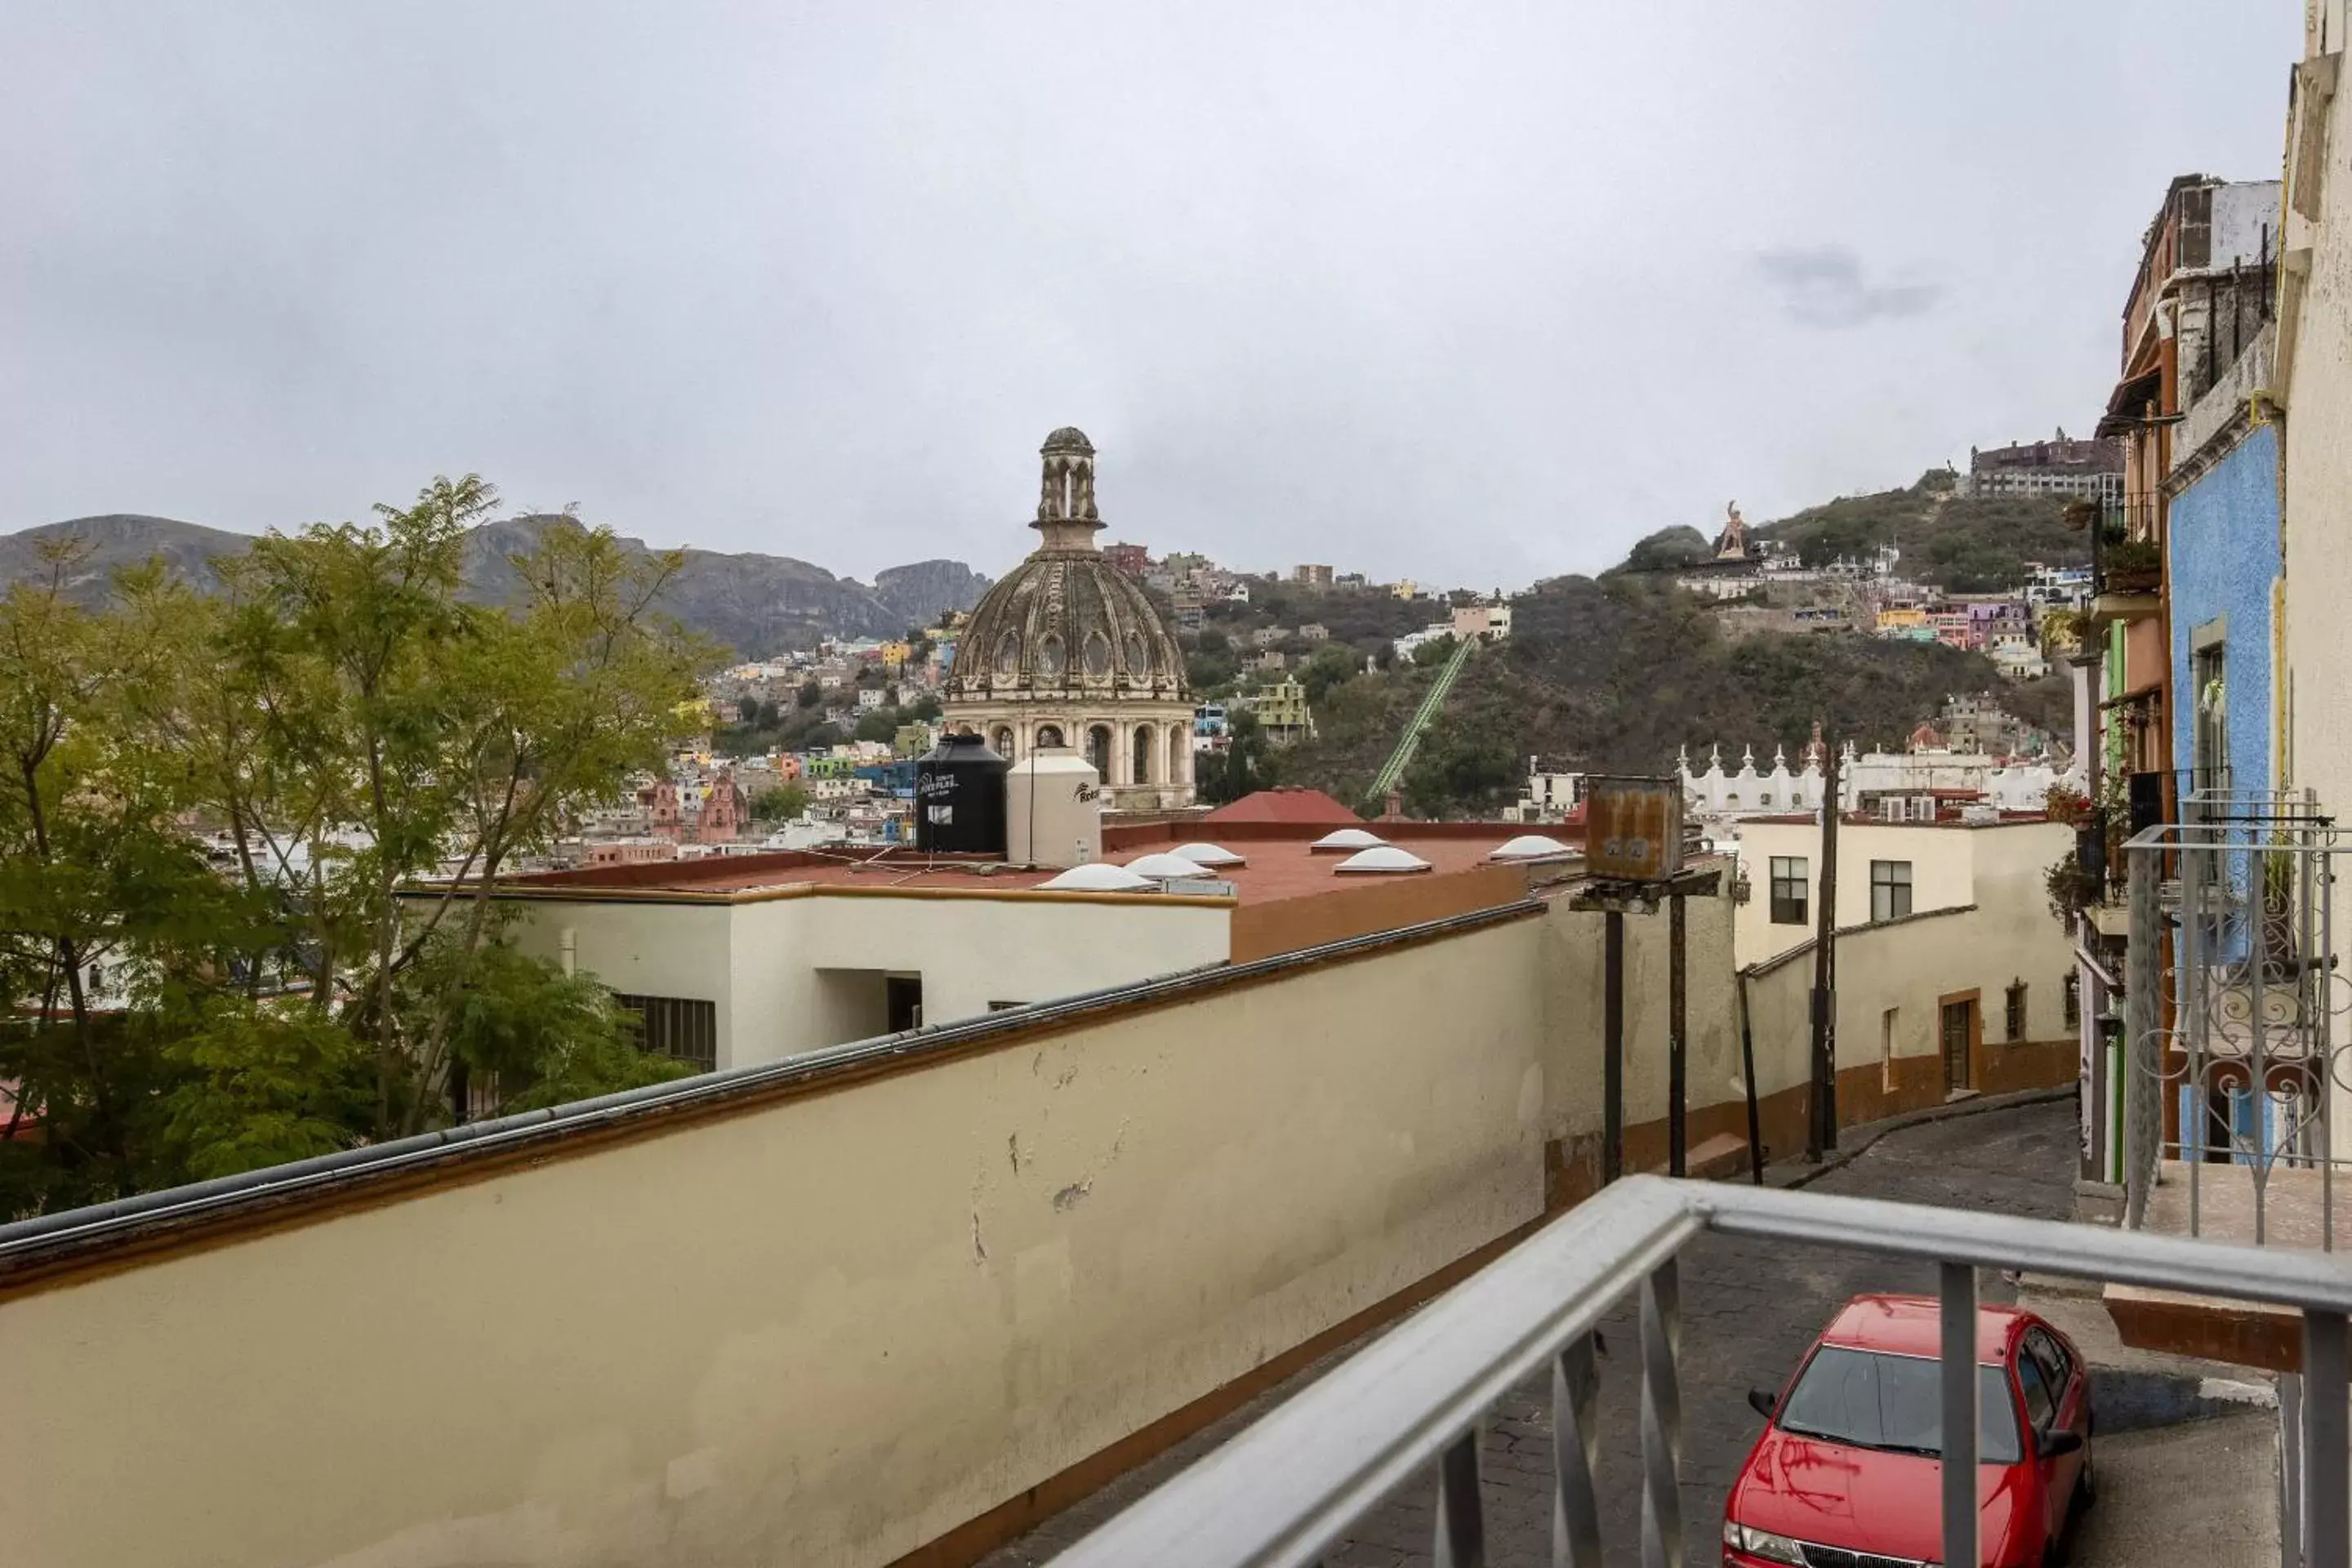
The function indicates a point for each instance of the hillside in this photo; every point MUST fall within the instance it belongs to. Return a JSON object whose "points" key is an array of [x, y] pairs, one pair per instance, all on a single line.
{"points": [[757, 604], [1614, 675], [1967, 546], [116, 541]]}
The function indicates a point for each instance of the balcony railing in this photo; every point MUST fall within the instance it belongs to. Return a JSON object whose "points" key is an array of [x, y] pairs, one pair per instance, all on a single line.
{"points": [[2239, 1050], [1288, 1489]]}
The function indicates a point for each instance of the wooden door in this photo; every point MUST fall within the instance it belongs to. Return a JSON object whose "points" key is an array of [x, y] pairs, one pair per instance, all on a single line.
{"points": [[1959, 1029]]}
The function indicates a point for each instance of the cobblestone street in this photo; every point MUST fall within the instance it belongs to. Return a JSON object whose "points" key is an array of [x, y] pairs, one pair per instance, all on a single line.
{"points": [[1749, 1311]]}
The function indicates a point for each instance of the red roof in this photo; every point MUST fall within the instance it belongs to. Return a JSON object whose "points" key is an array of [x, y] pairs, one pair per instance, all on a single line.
{"points": [[1287, 803]]}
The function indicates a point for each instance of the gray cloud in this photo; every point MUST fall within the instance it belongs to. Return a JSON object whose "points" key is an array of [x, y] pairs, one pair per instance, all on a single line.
{"points": [[1414, 289], [1823, 286]]}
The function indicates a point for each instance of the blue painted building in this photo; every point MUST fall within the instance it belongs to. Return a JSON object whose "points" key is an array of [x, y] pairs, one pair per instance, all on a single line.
{"points": [[2225, 564]]}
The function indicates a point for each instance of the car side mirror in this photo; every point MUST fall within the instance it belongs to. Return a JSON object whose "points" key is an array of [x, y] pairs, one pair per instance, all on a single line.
{"points": [[1763, 1400], [2051, 1444]]}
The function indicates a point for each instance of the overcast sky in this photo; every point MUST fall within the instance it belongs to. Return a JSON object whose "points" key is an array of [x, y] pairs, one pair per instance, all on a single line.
{"points": [[1474, 293]]}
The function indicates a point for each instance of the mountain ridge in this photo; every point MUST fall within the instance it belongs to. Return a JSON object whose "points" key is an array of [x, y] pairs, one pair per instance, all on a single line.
{"points": [[756, 604]]}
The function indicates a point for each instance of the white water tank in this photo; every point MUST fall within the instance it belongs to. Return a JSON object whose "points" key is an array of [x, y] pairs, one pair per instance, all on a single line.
{"points": [[1052, 808]]}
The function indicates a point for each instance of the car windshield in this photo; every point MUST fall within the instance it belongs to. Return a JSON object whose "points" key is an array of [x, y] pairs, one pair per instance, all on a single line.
{"points": [[1895, 1403]]}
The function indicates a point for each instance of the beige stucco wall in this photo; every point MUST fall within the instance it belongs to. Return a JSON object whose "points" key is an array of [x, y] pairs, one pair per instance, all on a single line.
{"points": [[971, 953], [822, 1332], [1907, 965], [1947, 865], [1571, 975], [685, 952], [758, 961], [2316, 384]]}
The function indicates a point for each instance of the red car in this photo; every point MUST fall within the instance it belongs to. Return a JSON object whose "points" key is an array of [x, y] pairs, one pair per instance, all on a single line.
{"points": [[1846, 1474]]}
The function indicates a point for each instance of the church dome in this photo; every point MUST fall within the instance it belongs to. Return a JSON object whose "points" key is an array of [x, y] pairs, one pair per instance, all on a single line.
{"points": [[1066, 622]]}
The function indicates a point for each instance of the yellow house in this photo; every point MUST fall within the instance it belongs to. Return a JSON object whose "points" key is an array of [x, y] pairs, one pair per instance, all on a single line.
{"points": [[1902, 617], [896, 654]]}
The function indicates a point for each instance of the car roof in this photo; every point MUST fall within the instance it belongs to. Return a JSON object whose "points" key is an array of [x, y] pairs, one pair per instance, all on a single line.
{"points": [[1913, 1325]]}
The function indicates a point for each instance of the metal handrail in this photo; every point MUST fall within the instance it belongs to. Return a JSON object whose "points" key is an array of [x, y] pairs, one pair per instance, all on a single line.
{"points": [[1288, 1489]]}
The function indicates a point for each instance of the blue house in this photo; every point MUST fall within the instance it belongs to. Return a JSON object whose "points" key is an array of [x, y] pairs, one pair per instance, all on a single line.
{"points": [[2225, 566]]}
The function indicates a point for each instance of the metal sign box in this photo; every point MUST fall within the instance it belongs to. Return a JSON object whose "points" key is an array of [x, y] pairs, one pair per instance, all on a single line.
{"points": [[1633, 828]]}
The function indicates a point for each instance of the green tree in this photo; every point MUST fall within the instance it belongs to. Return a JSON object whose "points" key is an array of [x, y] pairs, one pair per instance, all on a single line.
{"points": [[811, 694], [1328, 667], [522, 1034], [1459, 771], [1246, 764], [97, 879], [380, 751], [1435, 651], [782, 803], [876, 724]]}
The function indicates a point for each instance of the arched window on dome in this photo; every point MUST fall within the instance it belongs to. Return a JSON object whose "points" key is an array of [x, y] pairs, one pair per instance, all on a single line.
{"points": [[1098, 749], [1001, 742], [1180, 746], [1143, 754], [1049, 737]]}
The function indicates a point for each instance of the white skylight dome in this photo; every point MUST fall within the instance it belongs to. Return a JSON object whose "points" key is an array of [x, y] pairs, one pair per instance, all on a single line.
{"points": [[1098, 876], [1209, 854], [1382, 858], [1163, 868], [1348, 839], [1532, 846]]}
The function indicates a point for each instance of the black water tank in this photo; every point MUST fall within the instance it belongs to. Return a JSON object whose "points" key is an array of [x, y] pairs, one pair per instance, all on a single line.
{"points": [[959, 798]]}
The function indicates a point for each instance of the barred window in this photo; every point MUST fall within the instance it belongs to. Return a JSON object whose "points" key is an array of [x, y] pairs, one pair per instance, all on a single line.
{"points": [[677, 1027], [1789, 901], [2017, 1010], [2073, 998]]}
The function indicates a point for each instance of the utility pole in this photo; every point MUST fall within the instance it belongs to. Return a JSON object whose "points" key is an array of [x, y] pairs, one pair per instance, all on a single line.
{"points": [[1678, 1078], [1822, 1128], [1613, 1047]]}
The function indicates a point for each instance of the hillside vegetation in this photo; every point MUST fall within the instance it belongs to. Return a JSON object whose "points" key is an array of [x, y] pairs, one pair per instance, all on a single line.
{"points": [[1614, 675], [1966, 546]]}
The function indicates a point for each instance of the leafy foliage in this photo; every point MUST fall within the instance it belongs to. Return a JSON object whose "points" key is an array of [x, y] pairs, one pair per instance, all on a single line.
{"points": [[1968, 546], [1247, 764], [378, 749], [782, 803]]}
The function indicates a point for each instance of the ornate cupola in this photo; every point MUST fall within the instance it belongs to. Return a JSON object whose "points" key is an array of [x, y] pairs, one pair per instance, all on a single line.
{"points": [[1065, 649]]}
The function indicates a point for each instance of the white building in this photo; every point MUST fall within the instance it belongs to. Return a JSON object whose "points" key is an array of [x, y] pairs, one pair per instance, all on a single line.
{"points": [[1546, 796], [1717, 794]]}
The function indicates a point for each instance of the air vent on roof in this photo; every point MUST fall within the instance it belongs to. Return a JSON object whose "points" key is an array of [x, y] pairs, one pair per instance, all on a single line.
{"points": [[1098, 876], [1347, 840], [1209, 855], [1382, 858], [1163, 867], [1531, 846]]}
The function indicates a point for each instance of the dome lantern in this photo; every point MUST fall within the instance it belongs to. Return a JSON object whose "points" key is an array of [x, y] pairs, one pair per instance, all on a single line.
{"points": [[1065, 504]]}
